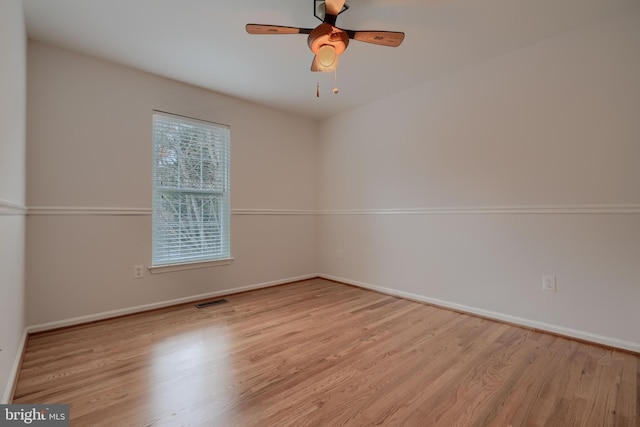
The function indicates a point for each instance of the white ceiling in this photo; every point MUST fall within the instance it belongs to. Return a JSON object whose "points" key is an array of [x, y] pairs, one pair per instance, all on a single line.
{"points": [[203, 42]]}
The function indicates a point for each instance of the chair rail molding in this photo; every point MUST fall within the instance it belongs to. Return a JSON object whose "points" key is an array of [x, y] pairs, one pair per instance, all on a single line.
{"points": [[11, 208]]}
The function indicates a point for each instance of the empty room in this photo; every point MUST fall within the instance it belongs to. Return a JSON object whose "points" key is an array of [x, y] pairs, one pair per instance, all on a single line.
{"points": [[278, 213]]}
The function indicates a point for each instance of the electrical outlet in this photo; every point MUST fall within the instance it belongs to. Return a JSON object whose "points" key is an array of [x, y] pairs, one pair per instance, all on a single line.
{"points": [[338, 254], [138, 271], [549, 283]]}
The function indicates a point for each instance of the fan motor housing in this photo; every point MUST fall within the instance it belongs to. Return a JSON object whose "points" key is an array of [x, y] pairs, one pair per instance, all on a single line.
{"points": [[325, 34]]}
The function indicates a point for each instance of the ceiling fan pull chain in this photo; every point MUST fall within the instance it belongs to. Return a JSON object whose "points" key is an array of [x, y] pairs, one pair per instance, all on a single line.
{"points": [[335, 81], [317, 87]]}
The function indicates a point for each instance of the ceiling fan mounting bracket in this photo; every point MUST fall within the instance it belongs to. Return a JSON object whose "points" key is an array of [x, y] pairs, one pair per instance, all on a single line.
{"points": [[318, 9]]}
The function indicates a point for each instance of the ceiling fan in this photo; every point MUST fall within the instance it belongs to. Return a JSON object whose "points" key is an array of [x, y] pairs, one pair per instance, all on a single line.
{"points": [[328, 42]]}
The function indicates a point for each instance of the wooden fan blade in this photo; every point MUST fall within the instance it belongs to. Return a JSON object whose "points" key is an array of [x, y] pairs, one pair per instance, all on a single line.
{"points": [[275, 29], [333, 7], [384, 38]]}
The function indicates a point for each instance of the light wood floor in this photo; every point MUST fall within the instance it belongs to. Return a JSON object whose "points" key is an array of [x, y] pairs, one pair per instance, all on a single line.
{"points": [[325, 354]]}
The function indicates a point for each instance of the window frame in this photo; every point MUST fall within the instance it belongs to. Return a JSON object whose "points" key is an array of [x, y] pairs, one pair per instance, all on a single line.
{"points": [[203, 132]]}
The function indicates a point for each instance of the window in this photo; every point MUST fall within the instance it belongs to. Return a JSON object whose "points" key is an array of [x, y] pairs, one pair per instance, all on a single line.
{"points": [[190, 190]]}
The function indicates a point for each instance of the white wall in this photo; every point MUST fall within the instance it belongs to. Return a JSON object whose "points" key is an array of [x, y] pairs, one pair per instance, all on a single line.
{"points": [[13, 51], [89, 146], [552, 125]]}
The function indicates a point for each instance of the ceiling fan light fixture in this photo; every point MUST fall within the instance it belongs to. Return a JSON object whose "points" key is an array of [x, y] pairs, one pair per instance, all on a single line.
{"points": [[326, 41], [327, 56]]}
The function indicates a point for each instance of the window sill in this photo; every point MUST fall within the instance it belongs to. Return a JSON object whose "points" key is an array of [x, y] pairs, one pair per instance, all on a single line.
{"points": [[189, 266]]}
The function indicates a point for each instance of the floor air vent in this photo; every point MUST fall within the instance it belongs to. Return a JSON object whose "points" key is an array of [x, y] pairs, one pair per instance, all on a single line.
{"points": [[210, 303]]}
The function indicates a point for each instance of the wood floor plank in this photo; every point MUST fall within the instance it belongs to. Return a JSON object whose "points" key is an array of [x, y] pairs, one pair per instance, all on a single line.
{"points": [[523, 398], [320, 353]]}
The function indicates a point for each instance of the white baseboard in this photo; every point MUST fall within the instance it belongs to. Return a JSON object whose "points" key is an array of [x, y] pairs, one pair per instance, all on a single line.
{"points": [[146, 307], [559, 330], [15, 368]]}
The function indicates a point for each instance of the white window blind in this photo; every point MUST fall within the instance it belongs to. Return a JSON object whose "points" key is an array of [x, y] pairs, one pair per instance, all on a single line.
{"points": [[190, 190]]}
